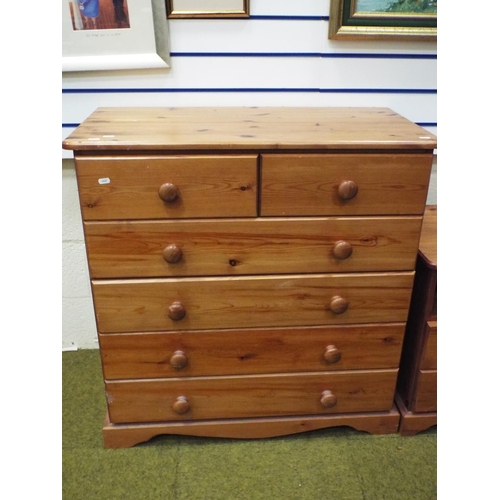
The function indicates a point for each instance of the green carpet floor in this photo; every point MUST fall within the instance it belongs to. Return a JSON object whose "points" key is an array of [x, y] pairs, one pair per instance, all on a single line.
{"points": [[340, 464]]}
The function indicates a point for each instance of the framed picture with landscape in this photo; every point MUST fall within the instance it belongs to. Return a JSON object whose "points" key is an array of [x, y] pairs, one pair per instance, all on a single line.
{"points": [[405, 19]]}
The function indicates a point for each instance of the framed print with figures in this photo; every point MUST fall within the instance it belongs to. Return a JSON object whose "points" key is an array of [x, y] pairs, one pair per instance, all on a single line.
{"points": [[114, 34]]}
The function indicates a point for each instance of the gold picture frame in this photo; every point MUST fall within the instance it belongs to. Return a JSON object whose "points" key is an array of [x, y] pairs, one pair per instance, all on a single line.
{"points": [[202, 9], [347, 22]]}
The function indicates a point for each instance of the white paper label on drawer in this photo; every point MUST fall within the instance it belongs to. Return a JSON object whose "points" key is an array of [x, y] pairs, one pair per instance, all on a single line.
{"points": [[104, 180]]}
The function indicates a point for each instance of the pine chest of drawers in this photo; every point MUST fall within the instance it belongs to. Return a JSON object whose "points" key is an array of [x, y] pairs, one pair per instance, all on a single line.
{"points": [[416, 389], [251, 268]]}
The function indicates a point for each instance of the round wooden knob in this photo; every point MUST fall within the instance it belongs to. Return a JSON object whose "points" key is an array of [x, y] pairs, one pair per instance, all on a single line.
{"points": [[332, 354], [168, 192], [342, 250], [172, 254], [176, 311], [338, 304], [348, 190], [178, 360], [181, 405], [328, 399]]}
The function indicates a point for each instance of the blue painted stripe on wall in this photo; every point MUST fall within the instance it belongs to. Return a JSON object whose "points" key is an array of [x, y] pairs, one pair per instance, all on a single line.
{"points": [[269, 18], [245, 54], [378, 91], [250, 90], [329, 55], [367, 55], [285, 18]]}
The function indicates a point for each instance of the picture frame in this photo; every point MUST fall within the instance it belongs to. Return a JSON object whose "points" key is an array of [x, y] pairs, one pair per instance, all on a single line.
{"points": [[203, 9], [356, 19], [114, 35]]}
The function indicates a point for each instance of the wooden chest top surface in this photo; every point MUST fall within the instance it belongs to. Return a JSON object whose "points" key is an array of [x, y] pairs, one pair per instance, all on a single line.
{"points": [[251, 128]]}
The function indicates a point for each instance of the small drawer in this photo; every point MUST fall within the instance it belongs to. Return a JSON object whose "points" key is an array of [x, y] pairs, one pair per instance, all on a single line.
{"points": [[250, 396], [240, 352], [251, 246], [159, 187], [426, 395], [429, 361], [244, 302], [344, 184]]}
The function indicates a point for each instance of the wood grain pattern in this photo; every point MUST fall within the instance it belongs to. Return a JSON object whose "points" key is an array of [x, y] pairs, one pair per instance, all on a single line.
{"points": [[429, 357], [250, 396], [229, 302], [412, 423], [426, 394], [419, 353], [242, 302], [209, 186], [126, 435], [428, 240], [232, 352], [247, 128], [250, 246], [308, 184], [420, 312]]}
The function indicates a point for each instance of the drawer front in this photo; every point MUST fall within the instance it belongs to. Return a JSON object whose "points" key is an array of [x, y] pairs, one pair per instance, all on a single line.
{"points": [[434, 308], [239, 352], [251, 246], [429, 361], [129, 188], [250, 396], [245, 302], [426, 396], [321, 184]]}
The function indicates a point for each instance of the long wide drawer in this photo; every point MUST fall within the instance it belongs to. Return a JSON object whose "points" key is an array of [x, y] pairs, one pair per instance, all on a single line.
{"points": [[239, 352], [244, 302], [344, 184], [250, 396], [159, 187], [251, 246]]}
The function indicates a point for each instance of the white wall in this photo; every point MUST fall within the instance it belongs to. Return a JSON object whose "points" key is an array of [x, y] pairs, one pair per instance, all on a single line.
{"points": [[268, 59]]}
